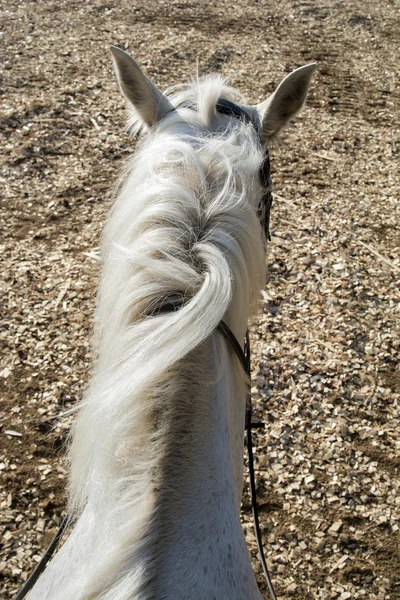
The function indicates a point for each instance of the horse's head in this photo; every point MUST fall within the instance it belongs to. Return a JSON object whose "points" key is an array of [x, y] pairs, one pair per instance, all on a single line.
{"points": [[230, 139], [269, 117]]}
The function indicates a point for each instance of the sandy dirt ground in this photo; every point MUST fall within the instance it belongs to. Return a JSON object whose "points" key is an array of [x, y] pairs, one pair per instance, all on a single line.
{"points": [[326, 340]]}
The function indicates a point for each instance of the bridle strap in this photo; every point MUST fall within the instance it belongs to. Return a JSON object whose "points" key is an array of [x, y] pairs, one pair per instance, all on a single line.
{"points": [[266, 182], [230, 109], [226, 107], [243, 355], [245, 358], [40, 567]]}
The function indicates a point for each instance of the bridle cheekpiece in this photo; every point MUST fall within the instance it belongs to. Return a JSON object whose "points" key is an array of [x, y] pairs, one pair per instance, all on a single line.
{"points": [[230, 109]]}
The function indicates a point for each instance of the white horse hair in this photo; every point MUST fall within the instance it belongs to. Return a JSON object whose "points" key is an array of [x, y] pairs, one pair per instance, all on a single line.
{"points": [[157, 448]]}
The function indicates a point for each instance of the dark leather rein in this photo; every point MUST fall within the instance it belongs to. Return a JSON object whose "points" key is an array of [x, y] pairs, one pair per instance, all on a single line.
{"points": [[231, 110], [244, 357]]}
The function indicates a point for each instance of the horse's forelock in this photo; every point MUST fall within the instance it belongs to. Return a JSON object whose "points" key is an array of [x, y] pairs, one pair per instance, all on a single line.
{"points": [[199, 95]]}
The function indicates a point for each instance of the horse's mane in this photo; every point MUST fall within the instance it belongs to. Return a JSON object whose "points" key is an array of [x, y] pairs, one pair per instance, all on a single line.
{"points": [[183, 226]]}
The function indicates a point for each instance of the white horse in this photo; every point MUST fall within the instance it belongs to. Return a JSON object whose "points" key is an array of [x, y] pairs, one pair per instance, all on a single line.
{"points": [[157, 448]]}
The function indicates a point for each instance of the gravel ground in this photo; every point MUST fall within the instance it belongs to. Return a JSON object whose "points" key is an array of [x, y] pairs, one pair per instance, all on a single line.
{"points": [[326, 341]]}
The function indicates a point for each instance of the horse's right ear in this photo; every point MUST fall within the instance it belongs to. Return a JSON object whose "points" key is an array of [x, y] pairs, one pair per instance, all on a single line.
{"points": [[149, 102], [285, 102]]}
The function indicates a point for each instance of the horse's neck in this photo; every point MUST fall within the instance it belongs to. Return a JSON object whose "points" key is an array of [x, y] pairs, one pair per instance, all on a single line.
{"points": [[200, 544], [193, 546]]}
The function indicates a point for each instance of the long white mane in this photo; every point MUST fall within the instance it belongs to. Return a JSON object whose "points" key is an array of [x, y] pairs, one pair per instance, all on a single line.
{"points": [[184, 225]]}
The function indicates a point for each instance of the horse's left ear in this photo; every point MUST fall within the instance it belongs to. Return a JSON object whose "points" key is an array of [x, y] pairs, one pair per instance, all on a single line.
{"points": [[285, 102], [150, 103]]}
